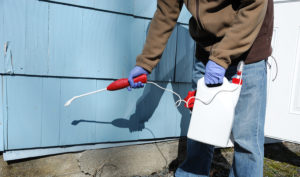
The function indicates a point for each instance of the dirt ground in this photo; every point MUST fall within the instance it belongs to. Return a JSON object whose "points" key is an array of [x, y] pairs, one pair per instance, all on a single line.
{"points": [[281, 160]]}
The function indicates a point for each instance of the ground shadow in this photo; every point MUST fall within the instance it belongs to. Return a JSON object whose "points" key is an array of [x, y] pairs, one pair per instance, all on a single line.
{"points": [[279, 152]]}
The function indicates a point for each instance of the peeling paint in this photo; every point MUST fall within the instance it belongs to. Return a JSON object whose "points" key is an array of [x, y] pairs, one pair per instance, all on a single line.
{"points": [[5, 48], [8, 58]]}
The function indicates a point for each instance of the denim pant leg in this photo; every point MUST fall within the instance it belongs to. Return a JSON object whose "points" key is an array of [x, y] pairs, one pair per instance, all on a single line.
{"points": [[248, 126], [199, 155]]}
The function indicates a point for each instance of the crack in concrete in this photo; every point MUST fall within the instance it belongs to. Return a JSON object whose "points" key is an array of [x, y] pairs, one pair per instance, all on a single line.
{"points": [[79, 165], [101, 169]]}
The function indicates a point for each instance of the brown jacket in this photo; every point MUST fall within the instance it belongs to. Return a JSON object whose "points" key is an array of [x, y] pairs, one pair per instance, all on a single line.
{"points": [[226, 29]]}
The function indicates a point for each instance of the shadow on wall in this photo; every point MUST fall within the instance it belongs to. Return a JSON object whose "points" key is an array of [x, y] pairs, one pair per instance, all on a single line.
{"points": [[149, 101], [145, 107]]}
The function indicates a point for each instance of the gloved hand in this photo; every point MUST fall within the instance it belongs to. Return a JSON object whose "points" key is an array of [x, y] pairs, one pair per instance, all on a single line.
{"points": [[214, 74], [136, 71], [191, 101]]}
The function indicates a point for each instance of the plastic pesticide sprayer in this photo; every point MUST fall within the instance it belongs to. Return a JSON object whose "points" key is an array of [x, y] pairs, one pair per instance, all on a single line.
{"points": [[116, 85], [213, 111]]}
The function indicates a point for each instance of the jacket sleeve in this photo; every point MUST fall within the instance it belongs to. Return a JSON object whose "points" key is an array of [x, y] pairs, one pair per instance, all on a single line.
{"points": [[241, 35], [161, 27]]}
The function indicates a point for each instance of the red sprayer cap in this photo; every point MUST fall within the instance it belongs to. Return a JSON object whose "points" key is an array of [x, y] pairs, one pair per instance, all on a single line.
{"points": [[237, 81]]}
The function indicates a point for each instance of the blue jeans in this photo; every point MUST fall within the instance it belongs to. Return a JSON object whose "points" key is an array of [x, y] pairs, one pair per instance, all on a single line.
{"points": [[247, 130]]}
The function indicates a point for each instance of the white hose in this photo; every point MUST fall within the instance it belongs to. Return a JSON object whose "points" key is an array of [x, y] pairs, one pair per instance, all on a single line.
{"points": [[177, 103]]}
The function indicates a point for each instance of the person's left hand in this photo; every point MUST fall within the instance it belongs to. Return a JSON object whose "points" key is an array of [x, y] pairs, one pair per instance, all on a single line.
{"points": [[214, 74]]}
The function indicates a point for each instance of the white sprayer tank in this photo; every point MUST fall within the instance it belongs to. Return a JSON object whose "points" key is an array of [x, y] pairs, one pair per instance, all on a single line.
{"points": [[213, 112]]}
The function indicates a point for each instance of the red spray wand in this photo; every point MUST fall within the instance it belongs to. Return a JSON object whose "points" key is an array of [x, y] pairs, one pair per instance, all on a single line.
{"points": [[123, 83], [116, 85]]}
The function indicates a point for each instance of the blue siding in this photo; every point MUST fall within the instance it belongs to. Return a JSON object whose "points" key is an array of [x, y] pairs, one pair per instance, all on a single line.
{"points": [[51, 111], [35, 60], [24, 111], [146, 9], [138, 8], [115, 5], [138, 37], [184, 55], [14, 28], [84, 108], [163, 112], [93, 46], [2, 98], [37, 118], [84, 3], [166, 68], [2, 115], [164, 71], [26, 29], [5, 110], [115, 114], [183, 115], [185, 15], [65, 40], [1, 37], [60, 40]]}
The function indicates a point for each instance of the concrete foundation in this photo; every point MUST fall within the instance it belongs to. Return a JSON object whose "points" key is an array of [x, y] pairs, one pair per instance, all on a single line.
{"points": [[144, 160], [135, 160]]}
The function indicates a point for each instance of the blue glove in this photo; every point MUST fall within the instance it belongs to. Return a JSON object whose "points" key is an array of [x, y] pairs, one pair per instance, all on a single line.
{"points": [[136, 71], [214, 74]]}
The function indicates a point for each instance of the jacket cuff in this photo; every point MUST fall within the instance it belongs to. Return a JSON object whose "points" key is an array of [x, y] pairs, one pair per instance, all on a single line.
{"points": [[220, 62], [144, 65]]}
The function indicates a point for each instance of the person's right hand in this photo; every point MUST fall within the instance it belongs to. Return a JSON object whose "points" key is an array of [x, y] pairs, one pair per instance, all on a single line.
{"points": [[214, 74], [135, 72]]}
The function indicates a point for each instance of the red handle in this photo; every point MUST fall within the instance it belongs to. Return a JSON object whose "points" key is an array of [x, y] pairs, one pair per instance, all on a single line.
{"points": [[123, 83]]}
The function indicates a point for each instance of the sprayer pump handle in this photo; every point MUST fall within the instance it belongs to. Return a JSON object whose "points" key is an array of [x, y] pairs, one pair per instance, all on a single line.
{"points": [[123, 83]]}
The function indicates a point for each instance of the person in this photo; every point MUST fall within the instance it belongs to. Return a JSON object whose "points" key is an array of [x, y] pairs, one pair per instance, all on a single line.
{"points": [[225, 32]]}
